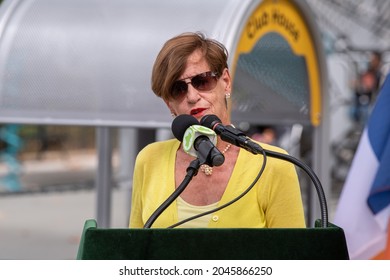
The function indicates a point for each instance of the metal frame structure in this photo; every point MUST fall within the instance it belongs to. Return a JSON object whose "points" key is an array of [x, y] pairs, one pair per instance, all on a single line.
{"points": [[89, 63]]}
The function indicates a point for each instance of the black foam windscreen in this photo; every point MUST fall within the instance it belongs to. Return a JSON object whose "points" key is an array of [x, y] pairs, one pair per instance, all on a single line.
{"points": [[180, 125]]}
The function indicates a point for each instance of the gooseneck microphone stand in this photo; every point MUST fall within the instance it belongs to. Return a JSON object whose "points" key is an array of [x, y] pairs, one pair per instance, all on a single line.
{"points": [[192, 170], [314, 179], [257, 149]]}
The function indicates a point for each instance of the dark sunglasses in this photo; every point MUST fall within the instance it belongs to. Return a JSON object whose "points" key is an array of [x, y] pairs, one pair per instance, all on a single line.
{"points": [[203, 82]]}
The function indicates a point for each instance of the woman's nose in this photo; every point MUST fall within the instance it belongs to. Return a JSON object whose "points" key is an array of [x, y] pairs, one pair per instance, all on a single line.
{"points": [[192, 94]]}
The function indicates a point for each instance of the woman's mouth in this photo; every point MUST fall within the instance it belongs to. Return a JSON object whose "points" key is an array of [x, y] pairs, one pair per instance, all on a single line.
{"points": [[197, 112]]}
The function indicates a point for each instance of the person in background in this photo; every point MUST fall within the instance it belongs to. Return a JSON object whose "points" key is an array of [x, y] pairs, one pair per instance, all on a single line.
{"points": [[191, 76], [367, 88], [264, 134]]}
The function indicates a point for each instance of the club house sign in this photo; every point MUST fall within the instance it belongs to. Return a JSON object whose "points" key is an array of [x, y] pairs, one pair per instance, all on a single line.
{"points": [[276, 17], [286, 19]]}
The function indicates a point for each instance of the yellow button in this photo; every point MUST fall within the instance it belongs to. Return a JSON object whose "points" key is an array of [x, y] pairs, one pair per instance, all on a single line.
{"points": [[215, 218]]}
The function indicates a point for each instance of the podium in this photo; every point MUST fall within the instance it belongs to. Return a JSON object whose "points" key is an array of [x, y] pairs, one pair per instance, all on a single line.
{"points": [[316, 243]]}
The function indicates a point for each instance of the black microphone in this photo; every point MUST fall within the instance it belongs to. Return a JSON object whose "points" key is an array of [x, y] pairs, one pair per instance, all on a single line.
{"points": [[230, 134], [197, 140]]}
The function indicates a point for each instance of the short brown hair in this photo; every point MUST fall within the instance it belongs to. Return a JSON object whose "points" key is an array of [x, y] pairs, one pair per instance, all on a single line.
{"points": [[172, 58]]}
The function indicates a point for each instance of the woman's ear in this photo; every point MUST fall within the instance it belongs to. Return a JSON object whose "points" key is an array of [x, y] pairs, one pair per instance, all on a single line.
{"points": [[227, 79]]}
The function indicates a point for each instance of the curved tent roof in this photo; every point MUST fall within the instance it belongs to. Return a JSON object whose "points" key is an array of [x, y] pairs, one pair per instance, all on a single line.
{"points": [[89, 62]]}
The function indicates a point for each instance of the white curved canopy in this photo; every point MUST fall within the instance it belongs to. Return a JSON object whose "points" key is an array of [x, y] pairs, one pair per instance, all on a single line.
{"points": [[89, 62]]}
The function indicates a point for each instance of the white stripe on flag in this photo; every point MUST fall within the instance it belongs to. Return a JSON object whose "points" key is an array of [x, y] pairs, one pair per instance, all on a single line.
{"points": [[365, 238]]}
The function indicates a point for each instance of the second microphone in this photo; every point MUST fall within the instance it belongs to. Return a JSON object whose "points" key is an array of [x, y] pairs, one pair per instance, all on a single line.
{"points": [[197, 140]]}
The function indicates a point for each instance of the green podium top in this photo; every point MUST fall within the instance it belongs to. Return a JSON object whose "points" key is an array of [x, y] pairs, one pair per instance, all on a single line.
{"points": [[207, 244]]}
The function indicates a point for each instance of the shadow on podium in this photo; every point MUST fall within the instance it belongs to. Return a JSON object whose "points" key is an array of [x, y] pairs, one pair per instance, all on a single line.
{"points": [[318, 243]]}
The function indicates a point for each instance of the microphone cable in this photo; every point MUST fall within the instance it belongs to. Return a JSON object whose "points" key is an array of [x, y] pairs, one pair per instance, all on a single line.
{"points": [[230, 202]]}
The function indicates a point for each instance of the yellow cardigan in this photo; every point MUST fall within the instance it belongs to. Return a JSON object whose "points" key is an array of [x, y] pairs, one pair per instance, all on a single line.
{"points": [[274, 202]]}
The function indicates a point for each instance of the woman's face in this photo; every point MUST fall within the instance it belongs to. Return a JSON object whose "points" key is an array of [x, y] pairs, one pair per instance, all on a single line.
{"points": [[199, 103]]}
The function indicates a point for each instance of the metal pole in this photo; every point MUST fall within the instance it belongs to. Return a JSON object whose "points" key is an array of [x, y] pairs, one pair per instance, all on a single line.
{"points": [[127, 154], [104, 176], [321, 159]]}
